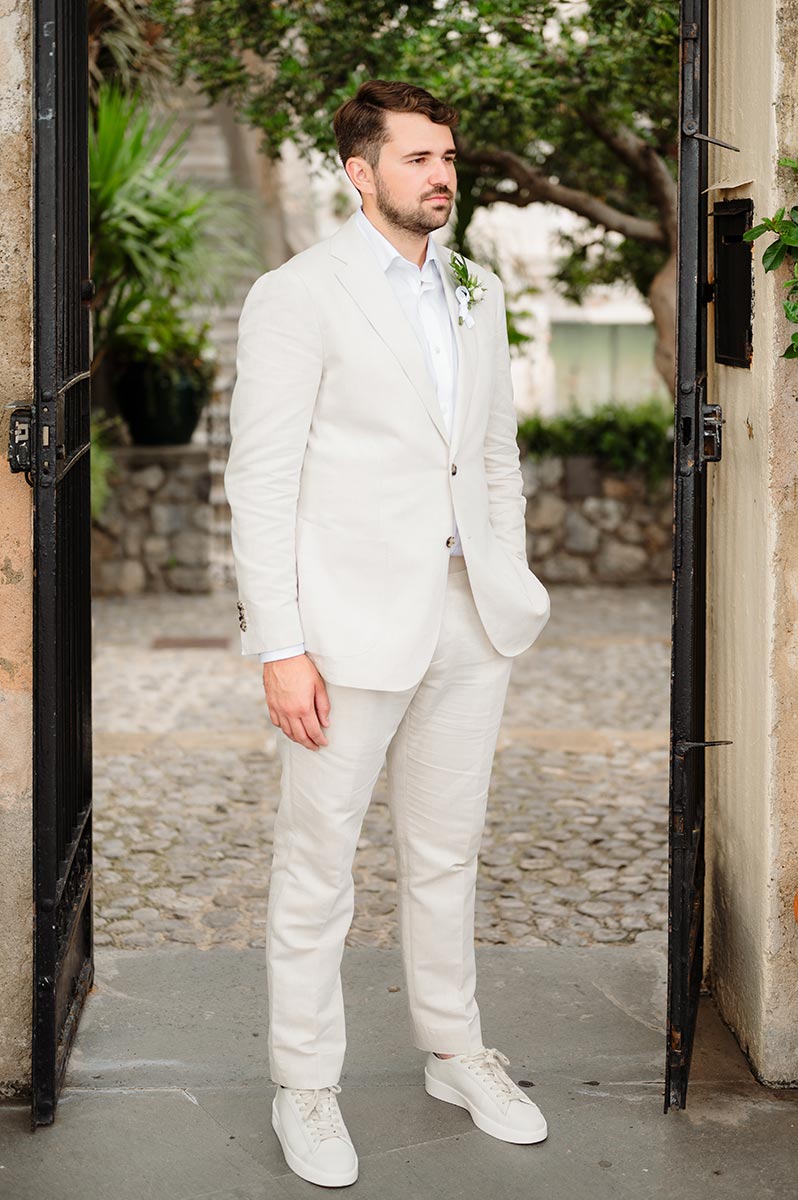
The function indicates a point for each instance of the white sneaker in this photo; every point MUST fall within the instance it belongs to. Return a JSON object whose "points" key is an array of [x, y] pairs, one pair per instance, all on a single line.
{"points": [[312, 1133], [479, 1083]]}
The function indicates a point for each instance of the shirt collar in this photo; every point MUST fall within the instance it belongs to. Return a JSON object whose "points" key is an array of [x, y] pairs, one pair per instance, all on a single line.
{"points": [[386, 251]]}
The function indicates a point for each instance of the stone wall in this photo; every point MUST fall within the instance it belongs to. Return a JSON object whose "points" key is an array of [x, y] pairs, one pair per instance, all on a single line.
{"points": [[584, 524], [589, 525], [154, 533]]}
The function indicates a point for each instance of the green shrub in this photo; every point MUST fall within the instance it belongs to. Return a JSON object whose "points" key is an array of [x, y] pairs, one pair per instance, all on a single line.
{"points": [[622, 438]]}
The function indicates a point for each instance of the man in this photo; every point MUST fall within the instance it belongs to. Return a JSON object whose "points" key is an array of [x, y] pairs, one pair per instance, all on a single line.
{"points": [[379, 540]]}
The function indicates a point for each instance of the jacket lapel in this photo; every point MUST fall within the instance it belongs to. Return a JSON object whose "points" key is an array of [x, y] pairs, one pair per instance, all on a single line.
{"points": [[361, 275]]}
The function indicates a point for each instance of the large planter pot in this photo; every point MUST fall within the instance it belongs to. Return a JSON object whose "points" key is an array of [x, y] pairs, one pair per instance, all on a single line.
{"points": [[161, 407]]}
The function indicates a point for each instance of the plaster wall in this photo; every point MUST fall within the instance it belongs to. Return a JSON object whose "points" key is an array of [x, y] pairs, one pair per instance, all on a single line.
{"points": [[16, 561], [753, 569]]}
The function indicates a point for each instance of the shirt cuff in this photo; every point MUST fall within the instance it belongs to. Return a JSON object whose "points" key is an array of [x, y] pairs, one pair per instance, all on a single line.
{"points": [[285, 652]]}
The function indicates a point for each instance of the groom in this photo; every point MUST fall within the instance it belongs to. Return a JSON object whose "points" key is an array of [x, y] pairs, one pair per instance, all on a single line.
{"points": [[379, 541]]}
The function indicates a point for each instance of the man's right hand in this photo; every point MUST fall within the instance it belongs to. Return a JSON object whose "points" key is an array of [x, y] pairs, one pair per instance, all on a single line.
{"points": [[297, 699]]}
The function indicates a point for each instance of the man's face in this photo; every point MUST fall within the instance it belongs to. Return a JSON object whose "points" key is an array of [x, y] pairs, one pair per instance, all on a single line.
{"points": [[415, 181]]}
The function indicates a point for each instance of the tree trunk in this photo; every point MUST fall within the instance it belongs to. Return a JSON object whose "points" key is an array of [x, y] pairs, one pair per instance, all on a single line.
{"points": [[662, 298]]}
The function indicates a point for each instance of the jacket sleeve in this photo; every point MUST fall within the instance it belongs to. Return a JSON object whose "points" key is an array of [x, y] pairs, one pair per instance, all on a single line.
{"points": [[507, 502], [279, 361]]}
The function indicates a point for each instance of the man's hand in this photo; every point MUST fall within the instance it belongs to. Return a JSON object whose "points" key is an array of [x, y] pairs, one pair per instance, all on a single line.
{"points": [[297, 699]]}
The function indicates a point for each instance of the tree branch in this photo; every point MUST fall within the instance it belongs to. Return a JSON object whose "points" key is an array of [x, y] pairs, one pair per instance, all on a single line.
{"points": [[638, 154], [533, 185]]}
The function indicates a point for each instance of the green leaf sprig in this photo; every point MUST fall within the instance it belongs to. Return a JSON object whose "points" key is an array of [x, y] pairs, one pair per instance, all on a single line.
{"points": [[786, 230], [460, 268]]}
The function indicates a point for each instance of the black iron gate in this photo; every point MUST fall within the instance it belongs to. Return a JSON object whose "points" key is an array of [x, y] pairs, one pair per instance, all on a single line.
{"points": [[697, 437], [62, 767]]}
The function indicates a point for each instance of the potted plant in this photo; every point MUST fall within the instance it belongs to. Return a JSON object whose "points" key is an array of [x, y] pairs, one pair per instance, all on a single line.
{"points": [[161, 369], [161, 247]]}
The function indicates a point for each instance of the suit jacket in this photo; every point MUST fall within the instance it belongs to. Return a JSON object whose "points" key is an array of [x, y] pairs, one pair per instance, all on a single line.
{"points": [[342, 481]]}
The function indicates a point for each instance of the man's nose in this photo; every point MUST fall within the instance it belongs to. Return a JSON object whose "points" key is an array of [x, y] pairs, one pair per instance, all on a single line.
{"points": [[440, 174]]}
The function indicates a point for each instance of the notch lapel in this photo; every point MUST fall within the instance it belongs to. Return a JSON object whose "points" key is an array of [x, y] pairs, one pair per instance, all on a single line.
{"points": [[360, 273]]}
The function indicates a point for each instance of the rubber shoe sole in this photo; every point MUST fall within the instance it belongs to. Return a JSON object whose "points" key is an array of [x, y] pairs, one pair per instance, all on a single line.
{"points": [[305, 1170], [444, 1091]]}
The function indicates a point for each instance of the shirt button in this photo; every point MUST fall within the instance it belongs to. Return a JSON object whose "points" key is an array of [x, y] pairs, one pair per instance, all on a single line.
{"points": [[450, 542], [454, 468]]}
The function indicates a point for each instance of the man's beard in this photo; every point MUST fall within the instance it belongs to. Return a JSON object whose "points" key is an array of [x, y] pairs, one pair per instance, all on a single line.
{"points": [[420, 221]]}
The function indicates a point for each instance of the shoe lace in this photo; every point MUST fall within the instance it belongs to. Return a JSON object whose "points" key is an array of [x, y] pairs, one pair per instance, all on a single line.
{"points": [[320, 1110], [489, 1063]]}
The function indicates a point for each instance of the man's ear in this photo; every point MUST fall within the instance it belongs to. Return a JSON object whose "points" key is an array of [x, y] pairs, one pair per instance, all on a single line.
{"points": [[360, 174]]}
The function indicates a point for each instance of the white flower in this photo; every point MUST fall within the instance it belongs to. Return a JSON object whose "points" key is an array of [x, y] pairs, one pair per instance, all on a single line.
{"points": [[478, 293]]}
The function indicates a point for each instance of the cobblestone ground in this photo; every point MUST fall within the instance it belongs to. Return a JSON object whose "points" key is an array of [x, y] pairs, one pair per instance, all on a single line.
{"points": [[187, 781]]}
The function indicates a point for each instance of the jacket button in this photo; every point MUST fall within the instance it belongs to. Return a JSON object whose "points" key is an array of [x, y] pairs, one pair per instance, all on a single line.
{"points": [[454, 468], [450, 542]]}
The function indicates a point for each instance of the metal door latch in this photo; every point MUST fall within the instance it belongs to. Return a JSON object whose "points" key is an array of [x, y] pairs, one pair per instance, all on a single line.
{"points": [[711, 444], [20, 440]]}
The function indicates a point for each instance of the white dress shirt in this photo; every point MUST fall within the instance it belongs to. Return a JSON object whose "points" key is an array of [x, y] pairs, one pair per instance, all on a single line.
{"points": [[421, 294]]}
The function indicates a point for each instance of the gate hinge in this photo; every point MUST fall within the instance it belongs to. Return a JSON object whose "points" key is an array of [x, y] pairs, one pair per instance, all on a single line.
{"points": [[689, 30], [20, 440], [711, 447]]}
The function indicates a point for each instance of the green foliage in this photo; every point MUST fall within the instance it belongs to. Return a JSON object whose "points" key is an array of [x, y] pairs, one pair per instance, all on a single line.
{"points": [[100, 461], [516, 337], [153, 234], [123, 44], [625, 439], [783, 248], [156, 328], [545, 81]]}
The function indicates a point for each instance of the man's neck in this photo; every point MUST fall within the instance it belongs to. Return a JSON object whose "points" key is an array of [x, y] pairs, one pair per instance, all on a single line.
{"points": [[411, 246]]}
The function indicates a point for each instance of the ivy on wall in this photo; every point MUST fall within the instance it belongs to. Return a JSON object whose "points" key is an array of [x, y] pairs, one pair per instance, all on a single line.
{"points": [[784, 247]]}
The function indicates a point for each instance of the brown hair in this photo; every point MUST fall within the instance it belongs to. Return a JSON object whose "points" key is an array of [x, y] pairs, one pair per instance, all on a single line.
{"points": [[359, 123]]}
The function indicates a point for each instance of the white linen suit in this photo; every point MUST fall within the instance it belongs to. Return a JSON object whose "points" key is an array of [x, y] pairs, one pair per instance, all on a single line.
{"points": [[340, 475], [344, 488]]}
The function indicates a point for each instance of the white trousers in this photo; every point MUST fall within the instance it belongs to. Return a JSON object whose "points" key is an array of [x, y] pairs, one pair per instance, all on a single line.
{"points": [[438, 739]]}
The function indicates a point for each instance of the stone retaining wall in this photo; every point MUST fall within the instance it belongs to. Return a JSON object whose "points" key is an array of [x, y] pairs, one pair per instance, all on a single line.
{"points": [[584, 524], [588, 525], [154, 534]]}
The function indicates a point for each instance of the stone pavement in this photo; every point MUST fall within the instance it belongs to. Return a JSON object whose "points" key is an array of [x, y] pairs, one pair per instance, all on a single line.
{"points": [[187, 782], [167, 1094]]}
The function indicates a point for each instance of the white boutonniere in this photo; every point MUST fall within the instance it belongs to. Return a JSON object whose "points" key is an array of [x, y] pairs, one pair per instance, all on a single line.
{"points": [[469, 290]]}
